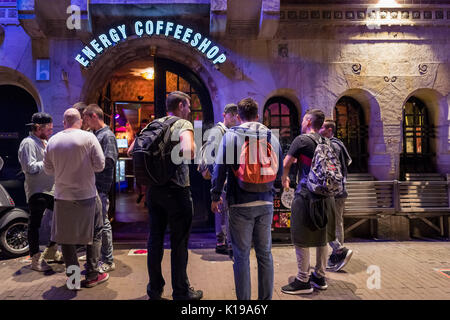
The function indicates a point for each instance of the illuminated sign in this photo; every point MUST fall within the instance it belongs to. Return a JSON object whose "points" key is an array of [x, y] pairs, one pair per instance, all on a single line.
{"points": [[150, 28]]}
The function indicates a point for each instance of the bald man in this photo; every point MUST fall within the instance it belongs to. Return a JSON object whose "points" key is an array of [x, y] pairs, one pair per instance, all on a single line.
{"points": [[73, 156]]}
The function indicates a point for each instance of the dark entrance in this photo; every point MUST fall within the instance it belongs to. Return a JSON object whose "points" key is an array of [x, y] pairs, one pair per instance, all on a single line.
{"points": [[17, 107], [130, 99], [351, 128], [417, 155], [171, 76]]}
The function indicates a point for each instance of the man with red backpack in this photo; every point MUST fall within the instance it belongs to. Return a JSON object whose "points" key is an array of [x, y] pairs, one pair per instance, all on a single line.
{"points": [[312, 217], [248, 158]]}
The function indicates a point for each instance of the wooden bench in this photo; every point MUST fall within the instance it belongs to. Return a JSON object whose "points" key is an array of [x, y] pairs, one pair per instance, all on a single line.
{"points": [[424, 177], [368, 200], [425, 196]]}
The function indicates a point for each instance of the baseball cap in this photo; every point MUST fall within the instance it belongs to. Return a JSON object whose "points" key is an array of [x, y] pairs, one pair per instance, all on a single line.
{"points": [[231, 107], [40, 118]]}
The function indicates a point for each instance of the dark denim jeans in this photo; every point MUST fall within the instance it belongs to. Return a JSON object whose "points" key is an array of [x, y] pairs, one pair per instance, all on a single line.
{"points": [[37, 204], [247, 224], [169, 206]]}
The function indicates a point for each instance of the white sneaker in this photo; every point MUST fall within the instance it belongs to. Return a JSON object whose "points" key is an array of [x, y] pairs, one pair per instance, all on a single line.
{"points": [[39, 264], [106, 267], [52, 253], [58, 256]]}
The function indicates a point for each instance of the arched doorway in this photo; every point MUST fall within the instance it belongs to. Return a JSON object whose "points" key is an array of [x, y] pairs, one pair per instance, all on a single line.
{"points": [[351, 128], [281, 114], [417, 153], [136, 92], [17, 107]]}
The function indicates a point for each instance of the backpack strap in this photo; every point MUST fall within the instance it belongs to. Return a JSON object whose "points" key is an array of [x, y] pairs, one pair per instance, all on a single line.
{"points": [[171, 120], [313, 137]]}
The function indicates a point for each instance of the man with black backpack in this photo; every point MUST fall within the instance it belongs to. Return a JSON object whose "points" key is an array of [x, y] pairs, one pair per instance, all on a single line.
{"points": [[206, 168], [312, 217], [158, 163], [341, 255], [248, 158]]}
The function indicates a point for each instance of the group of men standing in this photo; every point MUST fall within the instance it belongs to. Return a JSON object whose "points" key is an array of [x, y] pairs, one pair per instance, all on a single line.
{"points": [[71, 174], [244, 208]]}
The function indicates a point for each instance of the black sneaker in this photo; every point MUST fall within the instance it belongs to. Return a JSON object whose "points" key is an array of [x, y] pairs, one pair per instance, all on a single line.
{"points": [[191, 295], [317, 282], [331, 263], [222, 249], [156, 297], [297, 287], [342, 258]]}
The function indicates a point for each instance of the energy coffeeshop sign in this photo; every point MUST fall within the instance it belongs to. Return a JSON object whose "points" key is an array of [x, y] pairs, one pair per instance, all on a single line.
{"points": [[149, 28]]}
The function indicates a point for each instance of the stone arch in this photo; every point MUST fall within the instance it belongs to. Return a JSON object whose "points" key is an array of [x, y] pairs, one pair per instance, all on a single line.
{"points": [[9, 76], [138, 48], [287, 93], [378, 155], [438, 113]]}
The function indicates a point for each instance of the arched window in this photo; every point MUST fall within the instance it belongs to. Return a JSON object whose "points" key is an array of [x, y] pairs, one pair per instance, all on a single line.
{"points": [[174, 82], [351, 128], [417, 155], [280, 113]]}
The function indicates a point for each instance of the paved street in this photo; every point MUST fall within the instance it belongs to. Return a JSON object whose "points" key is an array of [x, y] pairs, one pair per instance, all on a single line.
{"points": [[409, 270]]}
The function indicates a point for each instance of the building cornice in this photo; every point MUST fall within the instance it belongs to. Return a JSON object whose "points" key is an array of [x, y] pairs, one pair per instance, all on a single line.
{"points": [[369, 15]]}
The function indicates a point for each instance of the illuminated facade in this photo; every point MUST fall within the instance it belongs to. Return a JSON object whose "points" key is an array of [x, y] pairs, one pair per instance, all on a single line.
{"points": [[380, 68]]}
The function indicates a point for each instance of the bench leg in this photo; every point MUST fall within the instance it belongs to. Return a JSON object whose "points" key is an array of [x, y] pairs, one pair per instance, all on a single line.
{"points": [[447, 227], [393, 228], [355, 225]]}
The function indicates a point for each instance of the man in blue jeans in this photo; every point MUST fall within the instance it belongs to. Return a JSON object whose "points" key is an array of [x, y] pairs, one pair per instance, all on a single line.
{"points": [[249, 154]]}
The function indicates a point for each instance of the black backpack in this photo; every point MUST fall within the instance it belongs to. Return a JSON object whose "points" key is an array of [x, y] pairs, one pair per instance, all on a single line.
{"points": [[151, 154]]}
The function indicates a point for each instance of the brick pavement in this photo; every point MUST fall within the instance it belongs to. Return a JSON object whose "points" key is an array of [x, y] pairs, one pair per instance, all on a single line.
{"points": [[409, 270]]}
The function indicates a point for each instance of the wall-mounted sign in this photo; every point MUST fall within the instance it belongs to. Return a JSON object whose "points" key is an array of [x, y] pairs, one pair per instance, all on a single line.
{"points": [[9, 135], [43, 69], [150, 28]]}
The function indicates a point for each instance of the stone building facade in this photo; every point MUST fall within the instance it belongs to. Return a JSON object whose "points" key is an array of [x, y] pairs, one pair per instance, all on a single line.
{"points": [[379, 55]]}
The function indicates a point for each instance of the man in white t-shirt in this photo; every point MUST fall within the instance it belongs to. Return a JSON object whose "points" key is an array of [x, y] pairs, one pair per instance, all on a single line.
{"points": [[73, 156]]}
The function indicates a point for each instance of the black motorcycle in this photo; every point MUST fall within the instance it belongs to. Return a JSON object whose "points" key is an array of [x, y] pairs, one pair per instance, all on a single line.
{"points": [[13, 219]]}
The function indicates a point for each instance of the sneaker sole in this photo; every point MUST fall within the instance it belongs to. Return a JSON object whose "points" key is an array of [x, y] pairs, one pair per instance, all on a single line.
{"points": [[346, 260], [106, 271], [97, 283], [42, 270], [304, 291], [315, 285]]}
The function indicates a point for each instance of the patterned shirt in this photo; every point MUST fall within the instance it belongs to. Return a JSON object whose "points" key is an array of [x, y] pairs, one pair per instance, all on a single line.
{"points": [[107, 140]]}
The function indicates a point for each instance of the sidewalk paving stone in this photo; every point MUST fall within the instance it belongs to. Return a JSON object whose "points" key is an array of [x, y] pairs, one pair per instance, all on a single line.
{"points": [[409, 270]]}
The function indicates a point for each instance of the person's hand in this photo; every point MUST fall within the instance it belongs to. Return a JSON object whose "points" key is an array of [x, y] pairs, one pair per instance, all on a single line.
{"points": [[286, 182], [215, 206], [206, 175]]}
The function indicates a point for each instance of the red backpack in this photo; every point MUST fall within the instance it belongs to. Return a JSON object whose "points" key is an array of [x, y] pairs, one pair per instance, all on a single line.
{"points": [[258, 165]]}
